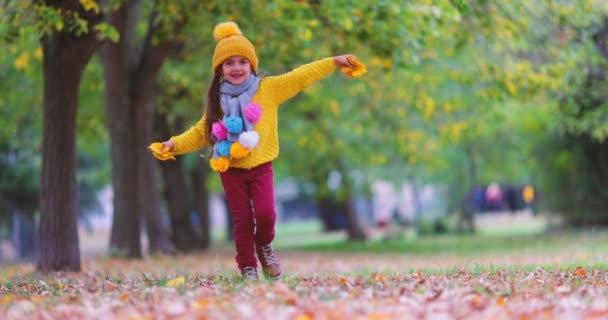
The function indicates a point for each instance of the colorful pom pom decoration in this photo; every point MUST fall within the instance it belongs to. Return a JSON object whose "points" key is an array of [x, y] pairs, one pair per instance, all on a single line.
{"points": [[237, 151], [249, 139], [223, 148], [234, 124], [220, 164], [219, 130], [253, 112]]}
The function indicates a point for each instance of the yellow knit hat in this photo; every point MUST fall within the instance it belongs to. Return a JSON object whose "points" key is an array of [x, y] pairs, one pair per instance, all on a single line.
{"points": [[231, 42]]}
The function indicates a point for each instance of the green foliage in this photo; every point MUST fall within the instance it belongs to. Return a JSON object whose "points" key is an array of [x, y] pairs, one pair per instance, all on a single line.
{"points": [[458, 92]]}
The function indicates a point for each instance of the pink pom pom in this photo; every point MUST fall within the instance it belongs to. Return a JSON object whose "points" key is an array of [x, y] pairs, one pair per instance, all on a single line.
{"points": [[253, 112], [219, 130]]}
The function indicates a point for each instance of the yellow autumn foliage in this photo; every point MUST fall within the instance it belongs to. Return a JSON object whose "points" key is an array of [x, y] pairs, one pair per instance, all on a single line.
{"points": [[23, 61], [90, 5]]}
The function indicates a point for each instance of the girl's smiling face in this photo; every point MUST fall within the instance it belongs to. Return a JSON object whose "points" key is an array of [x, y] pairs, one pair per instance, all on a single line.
{"points": [[236, 69]]}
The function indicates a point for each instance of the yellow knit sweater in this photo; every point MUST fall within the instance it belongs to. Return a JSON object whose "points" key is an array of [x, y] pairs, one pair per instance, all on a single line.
{"points": [[272, 92]]}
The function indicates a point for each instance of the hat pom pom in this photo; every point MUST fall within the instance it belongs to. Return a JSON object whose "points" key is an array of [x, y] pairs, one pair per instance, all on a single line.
{"points": [[226, 29], [253, 112], [223, 148], [220, 164], [219, 130], [249, 139]]}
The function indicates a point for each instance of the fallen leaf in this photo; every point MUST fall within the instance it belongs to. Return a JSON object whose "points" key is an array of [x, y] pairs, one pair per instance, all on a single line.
{"points": [[202, 303], [177, 282], [124, 296], [109, 286], [580, 272], [93, 285], [500, 301]]}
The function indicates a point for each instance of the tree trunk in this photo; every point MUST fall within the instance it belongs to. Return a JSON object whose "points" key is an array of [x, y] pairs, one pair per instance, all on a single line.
{"points": [[131, 71], [201, 199], [125, 236], [467, 213], [354, 229], [331, 214], [65, 57], [178, 200], [150, 198]]}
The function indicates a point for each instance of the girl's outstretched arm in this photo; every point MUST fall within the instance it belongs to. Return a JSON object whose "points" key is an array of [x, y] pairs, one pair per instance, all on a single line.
{"points": [[289, 84]]}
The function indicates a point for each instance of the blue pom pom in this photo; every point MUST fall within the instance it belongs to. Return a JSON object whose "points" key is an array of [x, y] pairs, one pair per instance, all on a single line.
{"points": [[223, 148], [234, 124]]}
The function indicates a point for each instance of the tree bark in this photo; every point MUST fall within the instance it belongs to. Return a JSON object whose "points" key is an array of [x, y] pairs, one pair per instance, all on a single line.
{"points": [[201, 199], [131, 71], [156, 230], [354, 229], [65, 57], [183, 236], [125, 235]]}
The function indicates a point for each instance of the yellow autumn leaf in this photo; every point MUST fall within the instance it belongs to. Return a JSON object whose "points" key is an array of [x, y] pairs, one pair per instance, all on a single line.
{"points": [[176, 282], [7, 298], [307, 34], [447, 107], [358, 70], [334, 107], [124, 296], [429, 107], [500, 301], [202, 303], [23, 61], [511, 87], [160, 152], [38, 54], [348, 24], [90, 5], [580, 272], [379, 316]]}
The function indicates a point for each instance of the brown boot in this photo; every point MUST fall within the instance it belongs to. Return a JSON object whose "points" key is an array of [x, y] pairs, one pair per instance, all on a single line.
{"points": [[269, 261], [249, 273]]}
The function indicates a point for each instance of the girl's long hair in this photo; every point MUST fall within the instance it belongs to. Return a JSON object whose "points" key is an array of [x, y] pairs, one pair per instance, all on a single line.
{"points": [[214, 108]]}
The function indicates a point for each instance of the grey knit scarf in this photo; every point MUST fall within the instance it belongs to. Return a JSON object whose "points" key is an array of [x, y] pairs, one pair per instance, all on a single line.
{"points": [[235, 98]]}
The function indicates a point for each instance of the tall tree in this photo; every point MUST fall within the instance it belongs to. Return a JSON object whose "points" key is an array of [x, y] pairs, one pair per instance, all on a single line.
{"points": [[131, 68], [66, 52]]}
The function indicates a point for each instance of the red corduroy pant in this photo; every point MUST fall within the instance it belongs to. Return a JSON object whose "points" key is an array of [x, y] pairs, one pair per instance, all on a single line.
{"points": [[250, 196]]}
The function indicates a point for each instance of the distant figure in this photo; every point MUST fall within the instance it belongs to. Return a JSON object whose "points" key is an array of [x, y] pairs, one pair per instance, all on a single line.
{"points": [[240, 124], [528, 194], [530, 197], [493, 197], [478, 198]]}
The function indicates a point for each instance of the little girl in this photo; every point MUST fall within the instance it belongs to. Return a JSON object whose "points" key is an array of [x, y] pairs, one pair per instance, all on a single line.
{"points": [[240, 123]]}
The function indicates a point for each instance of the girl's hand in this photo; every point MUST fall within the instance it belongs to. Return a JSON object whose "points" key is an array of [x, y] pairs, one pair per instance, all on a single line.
{"points": [[169, 145], [343, 61]]}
